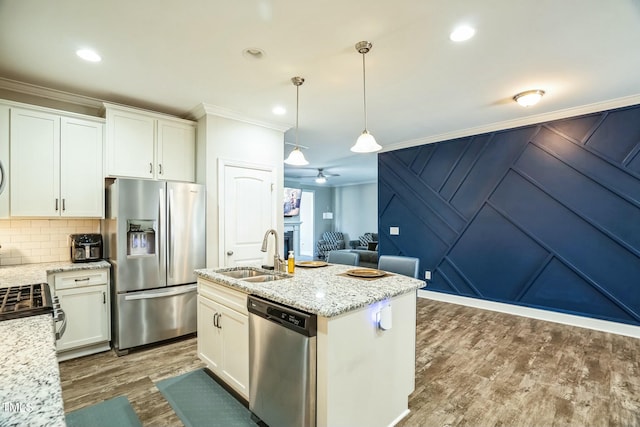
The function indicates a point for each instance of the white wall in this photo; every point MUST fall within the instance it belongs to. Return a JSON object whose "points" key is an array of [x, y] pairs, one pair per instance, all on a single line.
{"points": [[356, 209], [233, 139]]}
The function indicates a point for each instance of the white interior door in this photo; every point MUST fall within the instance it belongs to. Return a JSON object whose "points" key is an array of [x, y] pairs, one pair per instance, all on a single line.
{"points": [[248, 212]]}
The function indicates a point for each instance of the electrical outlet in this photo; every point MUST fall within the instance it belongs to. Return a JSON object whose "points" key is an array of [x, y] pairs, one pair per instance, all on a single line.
{"points": [[394, 231], [427, 275]]}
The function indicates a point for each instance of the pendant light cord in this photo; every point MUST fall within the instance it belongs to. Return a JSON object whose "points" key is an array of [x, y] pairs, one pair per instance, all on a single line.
{"points": [[364, 90], [297, 108]]}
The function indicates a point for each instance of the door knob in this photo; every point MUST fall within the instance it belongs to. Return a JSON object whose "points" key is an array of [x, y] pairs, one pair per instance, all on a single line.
{"points": [[229, 253]]}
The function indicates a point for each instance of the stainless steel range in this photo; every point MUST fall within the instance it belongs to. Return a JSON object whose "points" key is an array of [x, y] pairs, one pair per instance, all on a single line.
{"points": [[31, 300]]}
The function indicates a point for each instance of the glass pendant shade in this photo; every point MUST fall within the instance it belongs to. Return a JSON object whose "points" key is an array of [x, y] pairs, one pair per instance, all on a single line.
{"points": [[296, 158], [366, 143]]}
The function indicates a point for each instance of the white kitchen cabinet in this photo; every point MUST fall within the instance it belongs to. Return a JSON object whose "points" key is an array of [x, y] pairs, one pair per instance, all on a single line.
{"points": [[146, 145], [4, 161], [223, 334], [84, 297], [56, 165]]}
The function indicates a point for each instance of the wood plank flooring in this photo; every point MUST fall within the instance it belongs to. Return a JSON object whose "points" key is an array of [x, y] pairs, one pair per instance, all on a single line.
{"points": [[473, 368]]}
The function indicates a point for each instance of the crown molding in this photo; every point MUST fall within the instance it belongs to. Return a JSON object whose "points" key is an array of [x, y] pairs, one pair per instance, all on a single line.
{"points": [[53, 94], [524, 121], [203, 109]]}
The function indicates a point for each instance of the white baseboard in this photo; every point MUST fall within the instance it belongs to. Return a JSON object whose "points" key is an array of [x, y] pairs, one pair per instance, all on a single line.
{"points": [[534, 313], [400, 417]]}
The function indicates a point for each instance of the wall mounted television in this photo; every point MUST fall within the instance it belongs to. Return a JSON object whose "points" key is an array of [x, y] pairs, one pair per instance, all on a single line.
{"points": [[291, 201]]}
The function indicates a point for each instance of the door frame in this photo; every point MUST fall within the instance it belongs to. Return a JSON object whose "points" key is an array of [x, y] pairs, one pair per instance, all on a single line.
{"points": [[222, 165]]}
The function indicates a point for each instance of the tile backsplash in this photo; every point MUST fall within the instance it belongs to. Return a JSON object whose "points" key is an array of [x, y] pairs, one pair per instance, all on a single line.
{"points": [[27, 241]]}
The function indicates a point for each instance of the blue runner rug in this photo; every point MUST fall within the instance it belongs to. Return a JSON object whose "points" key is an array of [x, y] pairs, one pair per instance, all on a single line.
{"points": [[199, 401], [112, 412]]}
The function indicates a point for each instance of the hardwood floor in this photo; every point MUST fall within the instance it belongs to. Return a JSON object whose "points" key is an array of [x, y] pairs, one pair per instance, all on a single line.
{"points": [[482, 368], [92, 379], [473, 368]]}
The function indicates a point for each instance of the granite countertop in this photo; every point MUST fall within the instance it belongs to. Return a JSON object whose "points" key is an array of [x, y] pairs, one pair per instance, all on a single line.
{"points": [[27, 274], [324, 291], [30, 391]]}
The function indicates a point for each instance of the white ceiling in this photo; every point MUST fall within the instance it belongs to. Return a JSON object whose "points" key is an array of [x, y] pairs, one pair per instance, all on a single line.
{"points": [[170, 56]]}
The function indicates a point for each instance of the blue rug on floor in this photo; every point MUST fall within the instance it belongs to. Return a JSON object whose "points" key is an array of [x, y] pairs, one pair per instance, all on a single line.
{"points": [[200, 401], [112, 412]]}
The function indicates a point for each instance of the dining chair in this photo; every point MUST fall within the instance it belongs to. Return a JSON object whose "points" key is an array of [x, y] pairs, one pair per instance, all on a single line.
{"points": [[407, 266], [343, 257]]}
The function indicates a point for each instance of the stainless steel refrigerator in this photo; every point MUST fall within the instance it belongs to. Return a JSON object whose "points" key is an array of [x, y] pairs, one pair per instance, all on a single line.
{"points": [[154, 237]]}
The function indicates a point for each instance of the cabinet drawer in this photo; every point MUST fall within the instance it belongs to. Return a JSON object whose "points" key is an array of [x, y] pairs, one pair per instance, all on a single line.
{"points": [[233, 299], [74, 279]]}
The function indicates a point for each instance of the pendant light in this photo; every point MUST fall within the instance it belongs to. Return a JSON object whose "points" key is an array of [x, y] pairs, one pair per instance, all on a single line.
{"points": [[366, 143], [296, 158]]}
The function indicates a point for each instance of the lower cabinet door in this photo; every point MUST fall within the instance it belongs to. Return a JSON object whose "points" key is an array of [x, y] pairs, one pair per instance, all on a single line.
{"points": [[235, 336], [87, 315], [209, 335], [223, 343]]}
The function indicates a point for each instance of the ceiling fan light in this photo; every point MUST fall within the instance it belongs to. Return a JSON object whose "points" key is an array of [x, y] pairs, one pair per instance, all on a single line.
{"points": [[366, 143], [296, 158], [528, 98], [321, 180]]}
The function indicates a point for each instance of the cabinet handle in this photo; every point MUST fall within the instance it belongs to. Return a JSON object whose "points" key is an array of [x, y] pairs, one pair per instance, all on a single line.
{"points": [[64, 205], [86, 279], [215, 320], [160, 168], [56, 205], [150, 167], [104, 297], [219, 317]]}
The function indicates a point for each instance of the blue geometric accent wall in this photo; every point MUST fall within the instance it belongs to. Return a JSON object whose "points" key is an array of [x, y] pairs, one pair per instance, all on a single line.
{"points": [[544, 216]]}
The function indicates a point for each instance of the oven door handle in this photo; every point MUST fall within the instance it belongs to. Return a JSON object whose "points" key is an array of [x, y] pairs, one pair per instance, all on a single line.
{"points": [[60, 316]]}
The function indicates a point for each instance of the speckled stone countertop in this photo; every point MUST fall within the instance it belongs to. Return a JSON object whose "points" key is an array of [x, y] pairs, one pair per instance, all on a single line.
{"points": [[30, 392], [27, 274], [320, 290]]}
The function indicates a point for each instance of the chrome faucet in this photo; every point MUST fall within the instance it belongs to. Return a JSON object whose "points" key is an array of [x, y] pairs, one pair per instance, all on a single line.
{"points": [[278, 263]]}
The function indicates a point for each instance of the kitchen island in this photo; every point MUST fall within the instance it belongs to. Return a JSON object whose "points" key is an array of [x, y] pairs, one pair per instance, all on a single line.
{"points": [[364, 373], [30, 392]]}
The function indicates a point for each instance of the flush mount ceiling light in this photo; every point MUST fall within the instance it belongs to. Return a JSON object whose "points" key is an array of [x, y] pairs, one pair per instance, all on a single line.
{"points": [[529, 98], [462, 33], [88, 55], [253, 53], [366, 143], [296, 158]]}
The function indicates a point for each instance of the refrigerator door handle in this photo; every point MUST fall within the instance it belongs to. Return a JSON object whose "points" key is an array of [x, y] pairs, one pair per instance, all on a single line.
{"points": [[170, 236], [162, 239], [161, 294]]}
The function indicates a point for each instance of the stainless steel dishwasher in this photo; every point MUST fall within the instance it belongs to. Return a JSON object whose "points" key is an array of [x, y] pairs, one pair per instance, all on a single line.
{"points": [[282, 364]]}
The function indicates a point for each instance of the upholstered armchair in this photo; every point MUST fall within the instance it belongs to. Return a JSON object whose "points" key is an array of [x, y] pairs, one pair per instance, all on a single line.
{"points": [[331, 241], [367, 238]]}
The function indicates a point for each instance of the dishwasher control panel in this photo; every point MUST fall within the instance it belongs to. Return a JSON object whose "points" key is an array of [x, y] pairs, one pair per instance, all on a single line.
{"points": [[288, 317]]}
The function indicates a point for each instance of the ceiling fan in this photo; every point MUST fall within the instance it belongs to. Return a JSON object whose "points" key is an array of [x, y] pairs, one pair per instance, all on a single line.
{"points": [[320, 178]]}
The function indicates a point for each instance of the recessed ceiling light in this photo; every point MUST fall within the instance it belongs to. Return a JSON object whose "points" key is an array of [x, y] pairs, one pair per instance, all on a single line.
{"points": [[88, 55], [529, 98], [462, 33], [279, 110]]}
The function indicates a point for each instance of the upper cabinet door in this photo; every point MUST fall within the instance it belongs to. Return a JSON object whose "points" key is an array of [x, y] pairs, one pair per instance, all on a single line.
{"points": [[176, 151], [81, 178], [35, 154], [130, 144]]}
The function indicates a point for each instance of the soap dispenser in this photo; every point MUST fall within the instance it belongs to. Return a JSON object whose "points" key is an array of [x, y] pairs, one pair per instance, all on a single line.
{"points": [[291, 263]]}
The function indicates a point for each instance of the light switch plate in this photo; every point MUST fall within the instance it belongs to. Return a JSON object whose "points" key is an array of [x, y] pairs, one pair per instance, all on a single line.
{"points": [[427, 275], [394, 231]]}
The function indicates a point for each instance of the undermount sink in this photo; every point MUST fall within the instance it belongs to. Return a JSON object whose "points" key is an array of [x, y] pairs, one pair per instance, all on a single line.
{"points": [[264, 278], [242, 274], [251, 275]]}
